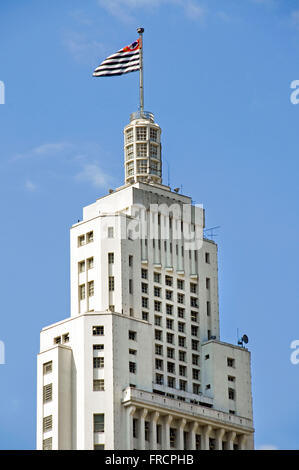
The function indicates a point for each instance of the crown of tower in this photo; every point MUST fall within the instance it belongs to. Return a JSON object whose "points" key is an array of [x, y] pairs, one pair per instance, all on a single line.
{"points": [[142, 149]]}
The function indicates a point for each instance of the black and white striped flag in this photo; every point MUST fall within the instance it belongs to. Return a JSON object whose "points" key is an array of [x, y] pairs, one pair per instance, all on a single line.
{"points": [[124, 61]]}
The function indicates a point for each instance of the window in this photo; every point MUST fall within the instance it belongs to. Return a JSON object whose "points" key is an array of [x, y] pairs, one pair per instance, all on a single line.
{"points": [[207, 356], [132, 335], [153, 134], [196, 389], [180, 284], [195, 359], [132, 367], [66, 338], [110, 258], [82, 292], [158, 320], [194, 330], [169, 309], [90, 263], [110, 232], [131, 286], [47, 423], [158, 335], [194, 316], [183, 384], [208, 308], [90, 289], [154, 150], [169, 295], [47, 444], [57, 340], [98, 385], [193, 302], [207, 258], [131, 312], [157, 306], [144, 302], [193, 288], [181, 298], [130, 152], [195, 374], [172, 436], [81, 266], [157, 292], [130, 168], [141, 150], [135, 428], [182, 341], [141, 133], [159, 350], [171, 382], [146, 430], [171, 367], [129, 135], [89, 237], [169, 338], [130, 260], [181, 312], [181, 327], [170, 353], [231, 394], [47, 367], [182, 356], [111, 308], [47, 393], [145, 316], [157, 277], [194, 344], [208, 283], [81, 240], [159, 364], [168, 280], [144, 273], [208, 387], [182, 370], [98, 330], [133, 352], [230, 362], [230, 378], [99, 447], [98, 362], [98, 423], [98, 347], [169, 324], [111, 283], [144, 288], [141, 166], [159, 379]]}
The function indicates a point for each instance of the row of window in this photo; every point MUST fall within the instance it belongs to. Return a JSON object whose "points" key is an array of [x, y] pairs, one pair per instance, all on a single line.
{"points": [[170, 338], [180, 325], [86, 238], [83, 264], [170, 366], [141, 134], [170, 352]]}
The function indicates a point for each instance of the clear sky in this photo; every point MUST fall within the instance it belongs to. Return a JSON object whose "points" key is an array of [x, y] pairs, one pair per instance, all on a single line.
{"points": [[217, 77]]}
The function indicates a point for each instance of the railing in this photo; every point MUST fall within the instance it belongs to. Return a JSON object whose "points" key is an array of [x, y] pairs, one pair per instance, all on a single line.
{"points": [[197, 411], [142, 115]]}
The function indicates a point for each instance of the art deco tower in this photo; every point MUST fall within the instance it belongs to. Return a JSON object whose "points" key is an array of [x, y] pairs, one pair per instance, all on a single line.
{"points": [[139, 363]]}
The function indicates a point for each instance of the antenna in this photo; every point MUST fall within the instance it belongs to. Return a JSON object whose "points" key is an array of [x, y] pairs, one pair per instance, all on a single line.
{"points": [[212, 234]]}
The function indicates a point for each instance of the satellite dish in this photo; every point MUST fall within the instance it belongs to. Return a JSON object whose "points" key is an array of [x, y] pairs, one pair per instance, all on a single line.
{"points": [[176, 190], [245, 339]]}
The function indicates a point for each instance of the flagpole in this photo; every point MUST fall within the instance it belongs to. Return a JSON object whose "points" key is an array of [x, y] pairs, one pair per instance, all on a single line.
{"points": [[141, 31]]}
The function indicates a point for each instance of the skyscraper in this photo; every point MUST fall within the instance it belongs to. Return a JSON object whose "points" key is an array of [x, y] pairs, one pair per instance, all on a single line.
{"points": [[139, 363]]}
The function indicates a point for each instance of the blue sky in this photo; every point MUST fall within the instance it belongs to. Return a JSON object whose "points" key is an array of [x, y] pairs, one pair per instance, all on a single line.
{"points": [[217, 77]]}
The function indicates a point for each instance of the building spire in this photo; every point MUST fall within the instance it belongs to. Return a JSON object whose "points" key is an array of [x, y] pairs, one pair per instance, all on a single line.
{"points": [[140, 31]]}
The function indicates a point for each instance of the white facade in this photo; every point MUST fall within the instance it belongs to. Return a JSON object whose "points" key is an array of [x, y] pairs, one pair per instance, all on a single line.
{"points": [[139, 364]]}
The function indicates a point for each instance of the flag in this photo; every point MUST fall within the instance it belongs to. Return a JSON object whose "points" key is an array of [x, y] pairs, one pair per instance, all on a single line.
{"points": [[124, 61]]}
